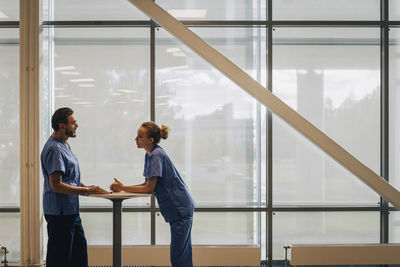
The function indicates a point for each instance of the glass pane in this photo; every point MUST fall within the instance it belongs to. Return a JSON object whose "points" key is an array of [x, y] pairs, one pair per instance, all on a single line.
{"points": [[216, 228], [305, 175], [91, 10], [9, 115], [103, 75], [215, 10], [98, 227], [215, 141], [331, 77], [394, 10], [136, 228], [394, 227], [394, 107], [323, 228], [10, 234], [326, 10], [9, 10]]}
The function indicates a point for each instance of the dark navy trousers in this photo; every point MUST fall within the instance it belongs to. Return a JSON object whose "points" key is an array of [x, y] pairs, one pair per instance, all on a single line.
{"points": [[67, 246], [181, 242]]}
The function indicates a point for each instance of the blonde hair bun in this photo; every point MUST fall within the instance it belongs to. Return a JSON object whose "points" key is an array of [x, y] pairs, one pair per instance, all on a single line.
{"points": [[164, 130]]}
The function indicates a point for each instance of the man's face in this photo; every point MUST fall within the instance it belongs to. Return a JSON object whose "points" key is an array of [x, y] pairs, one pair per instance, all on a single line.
{"points": [[70, 129]]}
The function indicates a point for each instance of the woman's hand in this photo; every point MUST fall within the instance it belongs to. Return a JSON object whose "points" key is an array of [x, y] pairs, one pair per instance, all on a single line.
{"points": [[94, 189], [117, 186]]}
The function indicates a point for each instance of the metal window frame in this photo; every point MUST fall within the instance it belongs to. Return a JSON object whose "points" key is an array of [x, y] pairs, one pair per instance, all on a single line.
{"points": [[234, 209], [384, 152]]}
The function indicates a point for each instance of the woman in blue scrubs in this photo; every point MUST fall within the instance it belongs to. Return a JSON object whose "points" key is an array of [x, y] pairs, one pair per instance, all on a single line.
{"points": [[174, 199]]}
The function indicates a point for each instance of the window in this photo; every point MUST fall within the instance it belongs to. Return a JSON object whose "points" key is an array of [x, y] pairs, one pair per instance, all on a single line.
{"points": [[9, 138], [331, 77], [103, 75], [326, 10], [116, 74], [215, 141], [9, 10], [394, 101], [215, 10], [324, 228]]}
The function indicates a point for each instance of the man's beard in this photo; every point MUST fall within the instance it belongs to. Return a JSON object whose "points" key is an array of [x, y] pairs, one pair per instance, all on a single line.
{"points": [[70, 134]]}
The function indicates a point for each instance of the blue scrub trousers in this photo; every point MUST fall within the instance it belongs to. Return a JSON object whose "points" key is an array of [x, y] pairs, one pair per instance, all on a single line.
{"points": [[181, 242], [67, 246]]}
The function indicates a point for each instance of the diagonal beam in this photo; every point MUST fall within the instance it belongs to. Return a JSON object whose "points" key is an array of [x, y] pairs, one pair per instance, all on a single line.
{"points": [[242, 79]]}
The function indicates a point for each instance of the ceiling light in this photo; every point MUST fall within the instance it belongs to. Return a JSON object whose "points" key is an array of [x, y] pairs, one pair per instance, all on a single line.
{"points": [[62, 96], [64, 68], [83, 103], [125, 91], [188, 13], [171, 80], [179, 54], [82, 80], [176, 68], [86, 85], [173, 49], [70, 72]]}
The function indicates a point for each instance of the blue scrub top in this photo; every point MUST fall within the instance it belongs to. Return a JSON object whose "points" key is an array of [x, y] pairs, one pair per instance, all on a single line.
{"points": [[57, 156], [172, 194]]}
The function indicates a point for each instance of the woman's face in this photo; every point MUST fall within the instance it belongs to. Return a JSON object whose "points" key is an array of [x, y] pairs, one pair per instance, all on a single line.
{"points": [[142, 141]]}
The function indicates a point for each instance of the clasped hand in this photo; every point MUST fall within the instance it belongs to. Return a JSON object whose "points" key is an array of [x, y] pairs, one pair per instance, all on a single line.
{"points": [[117, 186], [94, 189]]}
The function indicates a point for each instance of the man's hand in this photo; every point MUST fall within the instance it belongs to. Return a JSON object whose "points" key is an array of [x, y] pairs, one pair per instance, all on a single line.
{"points": [[94, 189], [117, 186]]}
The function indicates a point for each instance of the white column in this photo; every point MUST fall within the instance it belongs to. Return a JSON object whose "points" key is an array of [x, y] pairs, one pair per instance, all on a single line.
{"points": [[29, 131]]}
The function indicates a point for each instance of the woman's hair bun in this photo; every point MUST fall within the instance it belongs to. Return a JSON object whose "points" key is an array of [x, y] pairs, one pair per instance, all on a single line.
{"points": [[164, 130]]}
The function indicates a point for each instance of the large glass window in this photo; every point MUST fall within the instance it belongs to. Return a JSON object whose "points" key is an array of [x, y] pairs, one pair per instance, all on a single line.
{"points": [[218, 141], [9, 114], [218, 228], [331, 77], [10, 234], [9, 139], [394, 9], [394, 108], [70, 10], [214, 141], [323, 228], [9, 10], [326, 9], [98, 228], [103, 75], [215, 10], [394, 229]]}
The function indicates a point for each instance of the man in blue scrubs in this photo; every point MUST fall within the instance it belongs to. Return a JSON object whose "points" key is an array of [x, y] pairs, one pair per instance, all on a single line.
{"points": [[66, 245], [163, 179]]}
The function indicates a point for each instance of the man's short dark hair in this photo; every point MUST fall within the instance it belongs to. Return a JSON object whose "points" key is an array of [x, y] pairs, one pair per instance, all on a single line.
{"points": [[61, 115]]}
